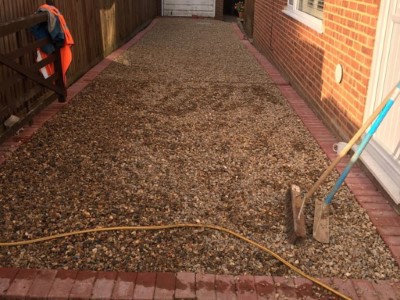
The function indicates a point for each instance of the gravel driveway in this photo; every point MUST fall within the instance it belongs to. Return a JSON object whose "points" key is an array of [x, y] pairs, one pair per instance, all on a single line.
{"points": [[184, 127]]}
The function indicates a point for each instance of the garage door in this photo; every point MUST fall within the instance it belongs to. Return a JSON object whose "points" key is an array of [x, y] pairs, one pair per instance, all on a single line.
{"points": [[186, 8]]}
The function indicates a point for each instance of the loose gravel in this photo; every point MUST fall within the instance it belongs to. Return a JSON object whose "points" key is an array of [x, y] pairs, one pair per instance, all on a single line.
{"points": [[184, 127]]}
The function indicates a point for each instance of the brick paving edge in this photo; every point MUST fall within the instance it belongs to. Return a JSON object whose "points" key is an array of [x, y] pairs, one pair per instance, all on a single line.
{"points": [[67, 284]]}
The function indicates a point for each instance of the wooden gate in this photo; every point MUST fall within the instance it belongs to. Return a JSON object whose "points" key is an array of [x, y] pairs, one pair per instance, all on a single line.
{"points": [[25, 88], [249, 17]]}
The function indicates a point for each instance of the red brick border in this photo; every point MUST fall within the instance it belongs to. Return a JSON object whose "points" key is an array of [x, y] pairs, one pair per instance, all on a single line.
{"points": [[62, 284]]}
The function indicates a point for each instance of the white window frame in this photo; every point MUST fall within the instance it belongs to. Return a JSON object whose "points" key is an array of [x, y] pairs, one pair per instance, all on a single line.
{"points": [[307, 19]]}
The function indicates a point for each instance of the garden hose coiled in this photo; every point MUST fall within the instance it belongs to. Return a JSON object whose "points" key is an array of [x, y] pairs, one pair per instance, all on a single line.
{"points": [[177, 226]]}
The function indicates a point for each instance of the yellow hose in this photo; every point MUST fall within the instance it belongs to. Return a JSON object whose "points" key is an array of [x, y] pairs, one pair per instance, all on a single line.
{"points": [[175, 226]]}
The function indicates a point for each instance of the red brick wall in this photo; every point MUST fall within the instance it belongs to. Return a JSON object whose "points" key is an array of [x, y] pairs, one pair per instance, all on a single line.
{"points": [[308, 59]]}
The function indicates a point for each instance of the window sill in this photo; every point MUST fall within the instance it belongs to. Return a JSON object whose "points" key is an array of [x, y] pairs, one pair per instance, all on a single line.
{"points": [[306, 19]]}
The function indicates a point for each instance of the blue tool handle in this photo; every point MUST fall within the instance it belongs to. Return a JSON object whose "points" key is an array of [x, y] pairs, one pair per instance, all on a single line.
{"points": [[362, 145]]}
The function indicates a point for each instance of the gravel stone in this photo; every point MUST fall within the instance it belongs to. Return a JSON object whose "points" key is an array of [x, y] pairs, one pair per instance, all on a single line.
{"points": [[184, 127]]}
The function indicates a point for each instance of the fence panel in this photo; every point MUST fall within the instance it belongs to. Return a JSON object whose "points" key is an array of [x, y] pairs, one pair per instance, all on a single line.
{"points": [[98, 27]]}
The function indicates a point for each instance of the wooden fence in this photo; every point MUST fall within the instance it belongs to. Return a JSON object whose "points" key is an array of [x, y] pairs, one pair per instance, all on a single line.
{"points": [[98, 28]]}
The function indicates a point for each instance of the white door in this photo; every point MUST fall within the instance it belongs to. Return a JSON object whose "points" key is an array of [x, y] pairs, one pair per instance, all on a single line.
{"points": [[188, 8], [383, 154]]}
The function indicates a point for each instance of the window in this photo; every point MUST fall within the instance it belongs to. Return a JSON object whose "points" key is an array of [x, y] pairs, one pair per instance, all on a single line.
{"points": [[311, 7], [309, 12]]}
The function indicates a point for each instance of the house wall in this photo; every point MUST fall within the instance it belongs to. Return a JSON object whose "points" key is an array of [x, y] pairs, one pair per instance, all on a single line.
{"points": [[308, 59]]}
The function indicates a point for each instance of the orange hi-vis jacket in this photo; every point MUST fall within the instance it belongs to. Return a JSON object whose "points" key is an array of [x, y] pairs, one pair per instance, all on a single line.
{"points": [[65, 51]]}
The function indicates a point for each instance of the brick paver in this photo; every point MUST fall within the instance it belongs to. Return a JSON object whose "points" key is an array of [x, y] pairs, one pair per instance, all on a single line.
{"points": [[83, 285], [304, 288], [395, 251], [365, 290], [346, 287], [62, 284], [384, 291], [205, 287], [392, 240], [185, 286], [124, 286], [285, 287], [265, 287], [51, 284], [396, 288], [145, 286], [246, 288], [21, 284], [103, 285], [42, 284], [6, 277], [165, 286], [225, 287]]}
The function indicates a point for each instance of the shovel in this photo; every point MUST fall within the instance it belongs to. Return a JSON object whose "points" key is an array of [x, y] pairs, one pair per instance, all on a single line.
{"points": [[296, 220], [321, 213]]}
